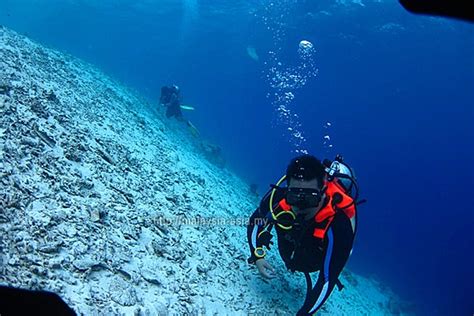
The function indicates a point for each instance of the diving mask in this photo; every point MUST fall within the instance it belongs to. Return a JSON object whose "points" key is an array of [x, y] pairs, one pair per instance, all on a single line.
{"points": [[303, 198]]}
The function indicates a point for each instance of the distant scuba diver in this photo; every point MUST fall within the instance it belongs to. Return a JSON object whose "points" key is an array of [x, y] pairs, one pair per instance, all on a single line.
{"points": [[171, 98], [315, 221]]}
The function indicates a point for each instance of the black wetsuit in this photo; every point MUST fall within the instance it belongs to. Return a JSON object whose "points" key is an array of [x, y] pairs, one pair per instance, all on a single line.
{"points": [[302, 252], [171, 99], [173, 108]]}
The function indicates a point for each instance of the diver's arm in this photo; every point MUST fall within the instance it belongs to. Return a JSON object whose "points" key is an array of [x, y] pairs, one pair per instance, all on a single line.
{"points": [[258, 229], [258, 235], [338, 245]]}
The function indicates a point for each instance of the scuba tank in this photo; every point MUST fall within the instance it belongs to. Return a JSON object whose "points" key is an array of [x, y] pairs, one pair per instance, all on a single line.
{"points": [[339, 171]]}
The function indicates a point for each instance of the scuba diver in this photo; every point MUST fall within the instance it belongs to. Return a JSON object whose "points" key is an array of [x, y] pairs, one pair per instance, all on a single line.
{"points": [[171, 98], [315, 220]]}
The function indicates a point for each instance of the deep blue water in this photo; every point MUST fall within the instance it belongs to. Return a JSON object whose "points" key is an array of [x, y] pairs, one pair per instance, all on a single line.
{"points": [[400, 101]]}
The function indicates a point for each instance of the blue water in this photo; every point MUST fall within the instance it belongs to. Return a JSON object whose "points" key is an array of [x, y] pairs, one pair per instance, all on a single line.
{"points": [[400, 101]]}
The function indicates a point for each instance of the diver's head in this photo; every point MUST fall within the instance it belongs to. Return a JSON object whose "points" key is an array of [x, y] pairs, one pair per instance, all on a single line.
{"points": [[175, 89], [305, 180]]}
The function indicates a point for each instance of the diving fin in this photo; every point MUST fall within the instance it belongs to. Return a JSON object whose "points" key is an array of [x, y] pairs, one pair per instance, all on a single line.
{"points": [[187, 107], [194, 131]]}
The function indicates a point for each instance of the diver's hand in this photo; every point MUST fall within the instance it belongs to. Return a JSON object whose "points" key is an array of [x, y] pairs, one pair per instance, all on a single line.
{"points": [[265, 269]]}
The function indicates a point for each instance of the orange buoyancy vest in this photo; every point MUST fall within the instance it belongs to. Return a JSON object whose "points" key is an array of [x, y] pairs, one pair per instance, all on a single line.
{"points": [[338, 201]]}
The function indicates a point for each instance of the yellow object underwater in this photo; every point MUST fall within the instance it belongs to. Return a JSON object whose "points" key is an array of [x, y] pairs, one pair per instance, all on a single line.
{"points": [[276, 216]]}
